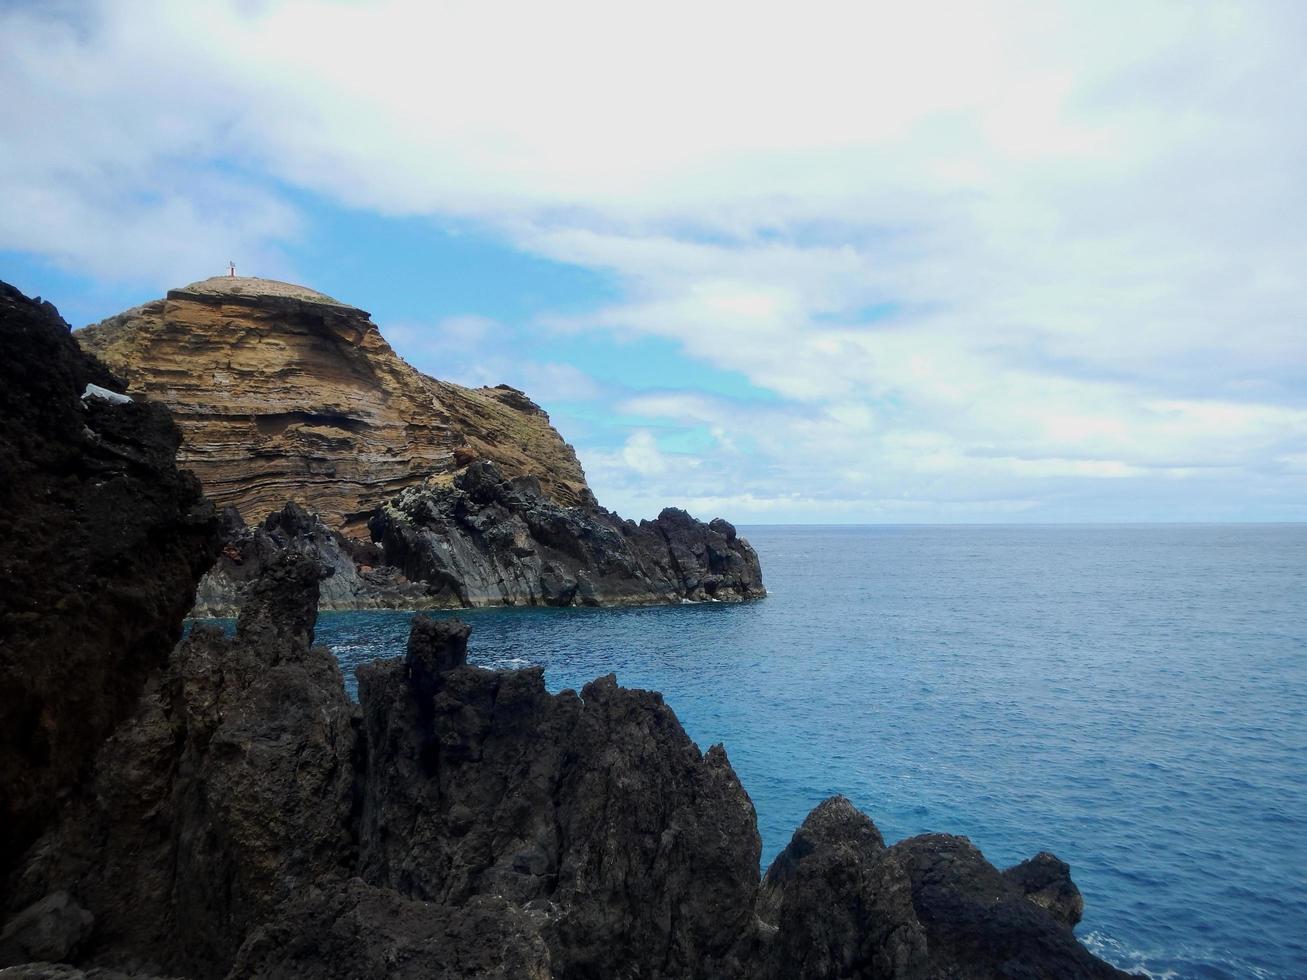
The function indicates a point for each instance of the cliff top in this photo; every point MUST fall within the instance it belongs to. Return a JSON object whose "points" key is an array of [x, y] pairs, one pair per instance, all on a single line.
{"points": [[253, 287]]}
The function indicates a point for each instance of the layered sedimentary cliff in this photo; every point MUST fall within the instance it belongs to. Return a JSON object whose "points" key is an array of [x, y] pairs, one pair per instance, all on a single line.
{"points": [[101, 543], [284, 394]]}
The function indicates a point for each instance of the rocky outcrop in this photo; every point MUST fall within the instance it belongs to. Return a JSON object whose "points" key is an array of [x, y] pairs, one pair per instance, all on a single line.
{"points": [[358, 577], [228, 794], [488, 540], [485, 540], [840, 903], [979, 924], [637, 854], [461, 822], [284, 394], [102, 540], [1046, 880]]}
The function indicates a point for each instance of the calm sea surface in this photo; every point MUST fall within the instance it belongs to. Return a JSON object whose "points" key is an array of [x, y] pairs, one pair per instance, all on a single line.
{"points": [[1131, 698]]}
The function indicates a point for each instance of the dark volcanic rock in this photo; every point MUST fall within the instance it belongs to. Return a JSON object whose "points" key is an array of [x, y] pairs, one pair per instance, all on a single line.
{"points": [[50, 929], [351, 930], [638, 854], [353, 583], [244, 819], [1046, 881], [102, 540], [228, 794], [980, 926], [486, 540], [841, 902]]}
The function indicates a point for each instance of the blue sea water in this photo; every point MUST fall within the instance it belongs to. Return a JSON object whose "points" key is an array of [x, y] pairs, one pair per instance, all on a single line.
{"points": [[1131, 698]]}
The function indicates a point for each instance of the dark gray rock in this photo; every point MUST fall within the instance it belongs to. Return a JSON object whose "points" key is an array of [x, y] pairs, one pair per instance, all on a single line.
{"points": [[358, 579], [487, 540], [979, 926], [1046, 880], [49, 930], [841, 905], [248, 821], [101, 541], [229, 793], [351, 930], [597, 813], [57, 971]]}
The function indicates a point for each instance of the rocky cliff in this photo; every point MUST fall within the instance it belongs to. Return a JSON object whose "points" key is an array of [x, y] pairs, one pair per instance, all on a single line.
{"points": [[284, 394], [487, 540], [248, 821], [101, 543]]}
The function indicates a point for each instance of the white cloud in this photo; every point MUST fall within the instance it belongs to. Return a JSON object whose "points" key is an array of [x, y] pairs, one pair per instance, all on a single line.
{"points": [[1010, 250], [642, 455]]}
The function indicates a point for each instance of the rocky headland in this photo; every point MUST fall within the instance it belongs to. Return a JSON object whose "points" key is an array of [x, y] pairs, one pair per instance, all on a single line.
{"points": [[232, 813], [284, 394], [287, 396]]}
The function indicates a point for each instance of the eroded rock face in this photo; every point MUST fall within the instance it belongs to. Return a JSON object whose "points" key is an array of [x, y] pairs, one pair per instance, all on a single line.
{"points": [[358, 577], [597, 813], [488, 540], [228, 794], [284, 394], [841, 903], [1046, 880], [102, 540]]}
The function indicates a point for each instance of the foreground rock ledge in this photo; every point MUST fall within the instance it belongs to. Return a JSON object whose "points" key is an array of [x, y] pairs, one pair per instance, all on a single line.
{"points": [[102, 541], [249, 821]]}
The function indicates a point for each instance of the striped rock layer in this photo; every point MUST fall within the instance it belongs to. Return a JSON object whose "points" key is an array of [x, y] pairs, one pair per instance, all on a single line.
{"points": [[283, 393]]}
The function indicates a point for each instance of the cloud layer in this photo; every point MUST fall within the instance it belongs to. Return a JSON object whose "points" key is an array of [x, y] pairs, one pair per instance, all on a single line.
{"points": [[979, 261]]}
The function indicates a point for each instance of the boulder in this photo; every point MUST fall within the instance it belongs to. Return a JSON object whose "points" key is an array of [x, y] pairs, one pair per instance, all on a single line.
{"points": [[49, 930], [1045, 879]]}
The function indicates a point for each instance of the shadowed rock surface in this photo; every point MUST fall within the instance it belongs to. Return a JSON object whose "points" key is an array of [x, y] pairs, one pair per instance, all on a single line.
{"points": [[358, 579], [102, 540], [226, 795], [487, 540], [979, 925], [1046, 881], [841, 904]]}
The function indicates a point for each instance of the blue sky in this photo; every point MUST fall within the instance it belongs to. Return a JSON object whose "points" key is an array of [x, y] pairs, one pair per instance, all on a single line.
{"points": [[819, 263]]}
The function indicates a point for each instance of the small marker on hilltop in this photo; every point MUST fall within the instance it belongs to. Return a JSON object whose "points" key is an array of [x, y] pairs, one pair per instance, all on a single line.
{"points": [[231, 269]]}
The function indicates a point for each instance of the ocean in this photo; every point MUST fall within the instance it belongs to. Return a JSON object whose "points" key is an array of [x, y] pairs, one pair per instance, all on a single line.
{"points": [[1130, 698]]}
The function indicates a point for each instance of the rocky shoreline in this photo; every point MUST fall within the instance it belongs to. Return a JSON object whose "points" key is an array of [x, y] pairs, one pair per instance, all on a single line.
{"points": [[227, 811], [485, 540]]}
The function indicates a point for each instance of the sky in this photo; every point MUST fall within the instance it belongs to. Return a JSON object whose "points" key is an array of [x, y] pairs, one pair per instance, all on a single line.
{"points": [[783, 263]]}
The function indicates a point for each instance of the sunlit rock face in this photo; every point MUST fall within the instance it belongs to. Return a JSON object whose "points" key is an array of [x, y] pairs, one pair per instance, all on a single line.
{"points": [[283, 393]]}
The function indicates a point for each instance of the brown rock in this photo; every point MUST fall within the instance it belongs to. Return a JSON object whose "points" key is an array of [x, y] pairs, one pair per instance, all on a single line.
{"points": [[283, 393]]}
